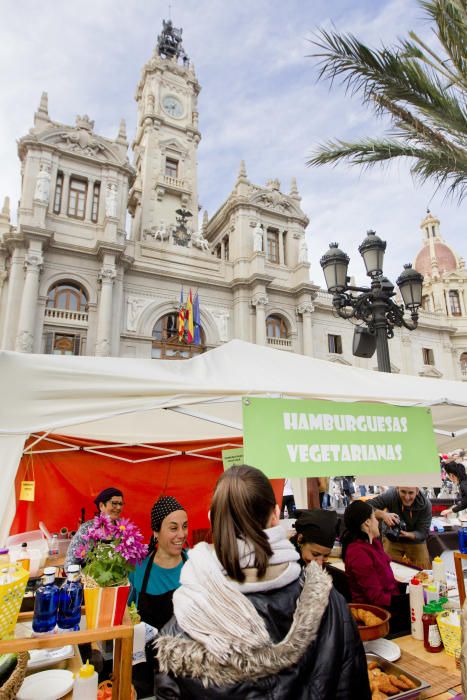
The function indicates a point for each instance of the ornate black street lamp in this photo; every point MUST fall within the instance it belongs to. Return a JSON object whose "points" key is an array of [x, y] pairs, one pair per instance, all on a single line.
{"points": [[374, 306]]}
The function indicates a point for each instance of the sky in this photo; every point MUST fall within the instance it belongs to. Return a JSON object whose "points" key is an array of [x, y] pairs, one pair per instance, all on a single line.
{"points": [[260, 102]]}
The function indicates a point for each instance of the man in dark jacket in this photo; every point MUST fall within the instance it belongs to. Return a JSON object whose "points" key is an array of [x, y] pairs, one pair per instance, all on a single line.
{"points": [[406, 515], [307, 619]]}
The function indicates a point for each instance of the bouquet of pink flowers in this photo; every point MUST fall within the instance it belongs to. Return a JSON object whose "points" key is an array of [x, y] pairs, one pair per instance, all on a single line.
{"points": [[112, 549]]}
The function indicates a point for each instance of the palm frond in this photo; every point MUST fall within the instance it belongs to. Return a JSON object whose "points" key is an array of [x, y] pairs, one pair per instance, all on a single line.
{"points": [[450, 17], [423, 93], [428, 164]]}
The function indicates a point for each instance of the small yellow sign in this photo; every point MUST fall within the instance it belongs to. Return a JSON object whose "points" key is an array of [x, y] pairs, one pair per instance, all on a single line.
{"points": [[27, 491], [232, 458]]}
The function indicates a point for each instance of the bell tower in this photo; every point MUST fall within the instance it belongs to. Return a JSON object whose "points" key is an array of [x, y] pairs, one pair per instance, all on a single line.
{"points": [[167, 138]]}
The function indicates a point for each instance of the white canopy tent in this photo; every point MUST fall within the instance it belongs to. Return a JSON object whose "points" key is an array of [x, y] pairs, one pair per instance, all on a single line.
{"points": [[132, 401]]}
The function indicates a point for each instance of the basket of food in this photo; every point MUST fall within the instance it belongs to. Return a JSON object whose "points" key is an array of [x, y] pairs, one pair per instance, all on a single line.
{"points": [[449, 626], [372, 621]]}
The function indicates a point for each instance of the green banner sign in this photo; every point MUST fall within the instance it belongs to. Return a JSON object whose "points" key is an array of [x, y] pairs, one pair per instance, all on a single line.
{"points": [[292, 438]]}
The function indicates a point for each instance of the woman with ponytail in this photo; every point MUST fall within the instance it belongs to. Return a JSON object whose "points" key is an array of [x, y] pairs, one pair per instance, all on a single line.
{"points": [[248, 622]]}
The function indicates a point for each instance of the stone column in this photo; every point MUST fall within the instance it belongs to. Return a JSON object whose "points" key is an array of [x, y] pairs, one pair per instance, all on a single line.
{"points": [[28, 310], [65, 194], [462, 301], [104, 320], [90, 198], [259, 302], [281, 247], [305, 310], [448, 304], [223, 249], [3, 277], [15, 284]]}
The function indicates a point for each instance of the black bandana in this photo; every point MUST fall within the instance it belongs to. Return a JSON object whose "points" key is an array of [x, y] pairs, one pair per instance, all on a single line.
{"points": [[161, 509], [317, 526]]}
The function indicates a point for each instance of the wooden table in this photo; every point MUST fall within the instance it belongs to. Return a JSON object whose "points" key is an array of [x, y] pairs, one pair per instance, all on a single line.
{"points": [[415, 647], [123, 648]]}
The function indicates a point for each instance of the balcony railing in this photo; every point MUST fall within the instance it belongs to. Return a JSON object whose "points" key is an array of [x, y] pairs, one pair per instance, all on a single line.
{"points": [[65, 316], [280, 343], [174, 181]]}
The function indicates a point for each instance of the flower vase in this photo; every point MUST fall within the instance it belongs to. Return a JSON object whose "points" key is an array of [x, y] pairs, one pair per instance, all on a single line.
{"points": [[105, 606]]}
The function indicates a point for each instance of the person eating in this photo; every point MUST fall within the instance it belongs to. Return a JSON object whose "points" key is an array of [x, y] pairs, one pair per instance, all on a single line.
{"points": [[316, 533]]}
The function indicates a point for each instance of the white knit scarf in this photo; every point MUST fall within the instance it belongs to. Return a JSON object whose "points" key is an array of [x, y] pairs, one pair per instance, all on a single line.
{"points": [[212, 609]]}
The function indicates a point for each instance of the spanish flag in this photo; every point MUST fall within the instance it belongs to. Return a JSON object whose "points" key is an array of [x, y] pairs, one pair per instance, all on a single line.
{"points": [[181, 319], [189, 318]]}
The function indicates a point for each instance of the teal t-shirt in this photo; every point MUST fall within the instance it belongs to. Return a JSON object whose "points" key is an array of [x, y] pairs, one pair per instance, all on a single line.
{"points": [[160, 580]]}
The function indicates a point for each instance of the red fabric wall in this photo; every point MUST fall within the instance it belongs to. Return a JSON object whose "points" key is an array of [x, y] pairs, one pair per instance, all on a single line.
{"points": [[65, 482]]}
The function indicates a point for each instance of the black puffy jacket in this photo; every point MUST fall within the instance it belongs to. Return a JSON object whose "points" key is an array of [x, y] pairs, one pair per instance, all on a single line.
{"points": [[330, 666]]}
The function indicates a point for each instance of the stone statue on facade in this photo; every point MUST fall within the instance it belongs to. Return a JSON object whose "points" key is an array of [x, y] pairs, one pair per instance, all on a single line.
{"points": [[161, 233], [111, 200], [258, 238], [303, 251], [134, 308], [42, 191], [199, 241]]}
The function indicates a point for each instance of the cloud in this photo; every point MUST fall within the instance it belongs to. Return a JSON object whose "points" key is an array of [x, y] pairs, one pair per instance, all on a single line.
{"points": [[260, 102]]}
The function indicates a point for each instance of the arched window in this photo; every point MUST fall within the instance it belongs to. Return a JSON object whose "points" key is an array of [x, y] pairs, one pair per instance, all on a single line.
{"points": [[463, 361], [67, 296], [276, 327], [166, 344], [454, 303]]}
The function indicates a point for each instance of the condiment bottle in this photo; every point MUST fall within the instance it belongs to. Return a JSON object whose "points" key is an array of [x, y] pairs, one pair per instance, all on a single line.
{"points": [[85, 685], [439, 576], [70, 600], [46, 603], [432, 593], [416, 608], [25, 559], [431, 636]]}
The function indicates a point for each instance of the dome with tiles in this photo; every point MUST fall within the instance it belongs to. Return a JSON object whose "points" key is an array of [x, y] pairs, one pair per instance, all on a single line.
{"points": [[434, 249]]}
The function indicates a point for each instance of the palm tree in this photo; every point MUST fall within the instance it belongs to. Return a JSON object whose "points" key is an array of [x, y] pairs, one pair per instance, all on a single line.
{"points": [[424, 93]]}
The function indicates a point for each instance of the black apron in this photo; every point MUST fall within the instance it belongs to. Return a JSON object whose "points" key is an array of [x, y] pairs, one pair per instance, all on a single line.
{"points": [[156, 610]]}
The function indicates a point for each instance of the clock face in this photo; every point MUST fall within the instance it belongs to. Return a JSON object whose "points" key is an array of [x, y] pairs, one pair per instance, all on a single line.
{"points": [[172, 106]]}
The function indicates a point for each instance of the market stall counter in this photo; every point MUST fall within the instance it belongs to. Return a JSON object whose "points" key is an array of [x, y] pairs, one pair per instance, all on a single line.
{"points": [[123, 646]]}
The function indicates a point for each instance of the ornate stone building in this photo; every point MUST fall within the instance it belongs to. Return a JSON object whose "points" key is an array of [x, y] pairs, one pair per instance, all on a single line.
{"points": [[74, 280]]}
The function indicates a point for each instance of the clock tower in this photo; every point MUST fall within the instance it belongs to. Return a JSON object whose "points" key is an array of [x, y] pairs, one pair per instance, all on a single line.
{"points": [[167, 138]]}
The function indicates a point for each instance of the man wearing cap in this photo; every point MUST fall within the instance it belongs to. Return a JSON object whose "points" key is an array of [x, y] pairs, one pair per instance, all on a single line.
{"points": [[108, 501], [406, 514]]}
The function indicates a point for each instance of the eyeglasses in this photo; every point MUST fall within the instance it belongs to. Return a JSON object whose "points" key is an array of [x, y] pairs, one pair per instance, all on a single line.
{"points": [[117, 504]]}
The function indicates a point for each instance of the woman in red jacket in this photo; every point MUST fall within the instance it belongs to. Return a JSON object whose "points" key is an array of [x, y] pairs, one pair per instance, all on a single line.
{"points": [[368, 567]]}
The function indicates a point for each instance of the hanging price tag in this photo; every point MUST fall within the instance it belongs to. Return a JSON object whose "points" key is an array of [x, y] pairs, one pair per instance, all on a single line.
{"points": [[27, 491]]}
